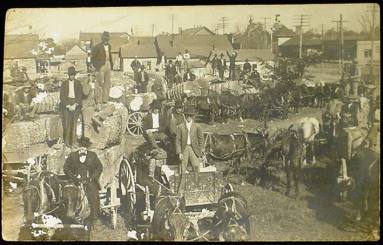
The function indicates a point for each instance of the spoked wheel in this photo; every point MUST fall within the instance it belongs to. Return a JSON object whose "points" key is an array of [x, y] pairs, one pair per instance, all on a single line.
{"points": [[134, 126]]}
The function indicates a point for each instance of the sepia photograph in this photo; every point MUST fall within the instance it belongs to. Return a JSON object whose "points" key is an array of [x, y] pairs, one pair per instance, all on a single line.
{"points": [[191, 123]]}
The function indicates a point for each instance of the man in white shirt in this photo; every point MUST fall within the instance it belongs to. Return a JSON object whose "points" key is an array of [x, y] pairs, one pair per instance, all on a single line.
{"points": [[179, 61], [189, 146], [186, 59], [154, 125]]}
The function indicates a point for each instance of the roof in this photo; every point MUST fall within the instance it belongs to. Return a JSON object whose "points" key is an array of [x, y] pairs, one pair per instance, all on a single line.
{"points": [[310, 41], [197, 31], [254, 54], [20, 46], [199, 46], [75, 53], [283, 31], [197, 64], [117, 39], [142, 47]]}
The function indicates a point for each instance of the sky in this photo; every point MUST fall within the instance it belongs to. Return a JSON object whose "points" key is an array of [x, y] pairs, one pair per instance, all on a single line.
{"points": [[65, 23]]}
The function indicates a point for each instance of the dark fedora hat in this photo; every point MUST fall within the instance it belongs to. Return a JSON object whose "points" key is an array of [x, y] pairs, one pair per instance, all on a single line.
{"points": [[105, 34], [155, 105], [72, 71], [190, 110], [84, 142]]}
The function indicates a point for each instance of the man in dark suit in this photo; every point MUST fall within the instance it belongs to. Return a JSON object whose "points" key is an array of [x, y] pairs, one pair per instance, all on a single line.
{"points": [[189, 145], [154, 125], [84, 166], [135, 65], [103, 63], [221, 65], [246, 67], [71, 96], [189, 76], [170, 73], [142, 80]]}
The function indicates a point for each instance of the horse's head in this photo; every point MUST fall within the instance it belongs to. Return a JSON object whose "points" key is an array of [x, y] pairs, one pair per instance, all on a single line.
{"points": [[178, 227], [70, 197], [233, 229], [31, 198]]}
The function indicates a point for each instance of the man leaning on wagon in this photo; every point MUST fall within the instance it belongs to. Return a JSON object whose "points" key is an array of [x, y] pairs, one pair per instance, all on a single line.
{"points": [[103, 63]]}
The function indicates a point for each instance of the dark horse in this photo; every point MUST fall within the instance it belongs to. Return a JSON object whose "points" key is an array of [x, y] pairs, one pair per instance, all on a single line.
{"points": [[233, 147], [230, 221], [289, 144], [170, 222], [365, 171]]}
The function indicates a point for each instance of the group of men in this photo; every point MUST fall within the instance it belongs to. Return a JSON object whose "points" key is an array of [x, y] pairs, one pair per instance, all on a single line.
{"points": [[219, 64], [179, 127]]}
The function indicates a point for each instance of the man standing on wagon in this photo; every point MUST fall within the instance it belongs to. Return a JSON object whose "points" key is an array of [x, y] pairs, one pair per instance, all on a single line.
{"points": [[103, 63], [189, 146]]}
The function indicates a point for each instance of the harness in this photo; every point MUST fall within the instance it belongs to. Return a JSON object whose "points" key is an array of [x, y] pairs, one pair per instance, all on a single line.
{"points": [[82, 205], [227, 156]]}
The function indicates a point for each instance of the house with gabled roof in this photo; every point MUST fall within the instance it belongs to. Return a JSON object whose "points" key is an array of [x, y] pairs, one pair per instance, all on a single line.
{"points": [[201, 30], [76, 56], [18, 48], [141, 47]]}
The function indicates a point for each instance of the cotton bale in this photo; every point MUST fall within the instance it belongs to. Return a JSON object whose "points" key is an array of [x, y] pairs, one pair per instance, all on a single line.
{"points": [[109, 158]]}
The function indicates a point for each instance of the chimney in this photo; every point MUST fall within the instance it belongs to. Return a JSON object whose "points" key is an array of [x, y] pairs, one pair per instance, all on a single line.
{"points": [[172, 43], [180, 30]]}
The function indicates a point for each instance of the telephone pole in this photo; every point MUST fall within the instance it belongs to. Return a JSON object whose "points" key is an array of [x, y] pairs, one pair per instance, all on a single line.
{"points": [[153, 27], [372, 41], [172, 24], [224, 24], [265, 30], [322, 48], [303, 22], [341, 51]]}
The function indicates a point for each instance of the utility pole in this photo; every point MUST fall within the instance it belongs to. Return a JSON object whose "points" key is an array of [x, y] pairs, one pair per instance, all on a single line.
{"points": [[341, 51], [265, 30], [172, 23], [322, 49], [372, 41], [303, 22], [224, 24], [153, 26]]}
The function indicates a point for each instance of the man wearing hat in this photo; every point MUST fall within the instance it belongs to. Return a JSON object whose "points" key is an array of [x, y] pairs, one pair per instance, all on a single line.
{"points": [[142, 80], [23, 75], [135, 65], [176, 118], [189, 145], [84, 166], [170, 73], [23, 99], [71, 96], [103, 63], [154, 125], [221, 65]]}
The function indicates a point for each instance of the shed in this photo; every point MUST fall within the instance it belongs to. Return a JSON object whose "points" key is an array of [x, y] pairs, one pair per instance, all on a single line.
{"points": [[77, 56]]}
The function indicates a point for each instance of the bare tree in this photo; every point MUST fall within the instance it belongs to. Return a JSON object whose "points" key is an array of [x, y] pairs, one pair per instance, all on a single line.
{"points": [[67, 44], [365, 21]]}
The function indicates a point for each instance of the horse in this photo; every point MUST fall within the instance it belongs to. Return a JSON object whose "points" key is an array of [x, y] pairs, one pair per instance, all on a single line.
{"points": [[40, 196], [230, 221], [230, 105], [76, 202], [170, 222], [310, 128], [206, 105], [233, 147], [364, 171]]}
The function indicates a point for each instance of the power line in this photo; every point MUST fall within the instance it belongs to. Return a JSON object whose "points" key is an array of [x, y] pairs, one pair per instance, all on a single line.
{"points": [[265, 30], [341, 41]]}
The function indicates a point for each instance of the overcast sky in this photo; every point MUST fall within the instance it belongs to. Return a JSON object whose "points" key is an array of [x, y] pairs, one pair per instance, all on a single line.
{"points": [[63, 23]]}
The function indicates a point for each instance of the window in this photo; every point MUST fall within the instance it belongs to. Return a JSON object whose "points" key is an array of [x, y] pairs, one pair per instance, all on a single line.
{"points": [[148, 65], [367, 53]]}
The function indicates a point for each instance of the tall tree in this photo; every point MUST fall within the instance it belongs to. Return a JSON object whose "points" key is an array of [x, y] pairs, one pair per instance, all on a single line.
{"points": [[365, 22]]}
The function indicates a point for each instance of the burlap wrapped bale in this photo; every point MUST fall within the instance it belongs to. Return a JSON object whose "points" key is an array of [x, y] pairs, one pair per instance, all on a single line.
{"points": [[56, 159], [109, 158], [49, 103], [110, 133], [12, 154], [135, 101], [26, 133], [54, 127]]}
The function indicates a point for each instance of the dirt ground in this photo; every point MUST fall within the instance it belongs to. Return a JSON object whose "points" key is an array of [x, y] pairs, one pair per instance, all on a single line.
{"points": [[274, 217]]}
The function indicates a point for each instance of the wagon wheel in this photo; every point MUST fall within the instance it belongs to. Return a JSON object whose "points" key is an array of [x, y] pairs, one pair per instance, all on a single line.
{"points": [[134, 126]]}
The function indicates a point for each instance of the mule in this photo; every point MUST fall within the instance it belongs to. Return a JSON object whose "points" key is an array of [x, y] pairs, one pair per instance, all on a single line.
{"points": [[170, 222], [76, 202], [309, 126]]}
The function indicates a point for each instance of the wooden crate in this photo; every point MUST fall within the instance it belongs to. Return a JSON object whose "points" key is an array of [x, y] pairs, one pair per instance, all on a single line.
{"points": [[207, 192]]}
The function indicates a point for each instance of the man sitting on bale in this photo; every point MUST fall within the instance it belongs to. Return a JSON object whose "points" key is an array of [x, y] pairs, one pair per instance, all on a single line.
{"points": [[23, 100], [84, 166], [189, 76], [115, 103], [154, 125]]}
